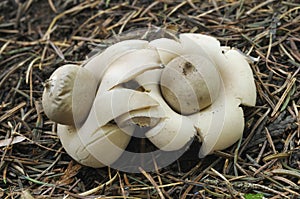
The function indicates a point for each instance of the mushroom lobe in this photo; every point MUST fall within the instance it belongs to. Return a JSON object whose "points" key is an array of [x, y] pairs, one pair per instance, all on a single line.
{"points": [[190, 83], [69, 94]]}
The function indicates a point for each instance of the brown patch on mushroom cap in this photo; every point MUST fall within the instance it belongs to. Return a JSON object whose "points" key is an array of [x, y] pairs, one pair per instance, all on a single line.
{"points": [[190, 83]]}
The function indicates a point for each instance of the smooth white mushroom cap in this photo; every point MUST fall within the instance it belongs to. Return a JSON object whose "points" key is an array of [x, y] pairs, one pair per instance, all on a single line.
{"points": [[190, 83], [99, 63], [167, 49], [74, 146], [98, 148], [69, 94], [220, 125]]}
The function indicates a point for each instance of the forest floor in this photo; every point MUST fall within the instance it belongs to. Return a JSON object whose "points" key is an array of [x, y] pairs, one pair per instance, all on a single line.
{"points": [[38, 36]]}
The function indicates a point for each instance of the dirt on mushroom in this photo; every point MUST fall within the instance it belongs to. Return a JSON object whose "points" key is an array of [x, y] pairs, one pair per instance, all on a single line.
{"points": [[188, 67]]}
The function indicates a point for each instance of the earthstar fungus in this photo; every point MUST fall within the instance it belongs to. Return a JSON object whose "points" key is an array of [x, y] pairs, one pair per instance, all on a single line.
{"points": [[176, 88]]}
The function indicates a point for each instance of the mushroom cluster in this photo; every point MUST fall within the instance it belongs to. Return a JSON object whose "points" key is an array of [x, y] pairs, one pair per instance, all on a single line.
{"points": [[178, 88]]}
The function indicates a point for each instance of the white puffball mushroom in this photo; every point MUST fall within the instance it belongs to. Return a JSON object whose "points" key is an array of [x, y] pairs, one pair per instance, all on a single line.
{"points": [[69, 94], [178, 89], [190, 83]]}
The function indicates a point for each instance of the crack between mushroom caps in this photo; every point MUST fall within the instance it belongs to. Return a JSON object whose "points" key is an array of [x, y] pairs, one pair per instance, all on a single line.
{"points": [[147, 68]]}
